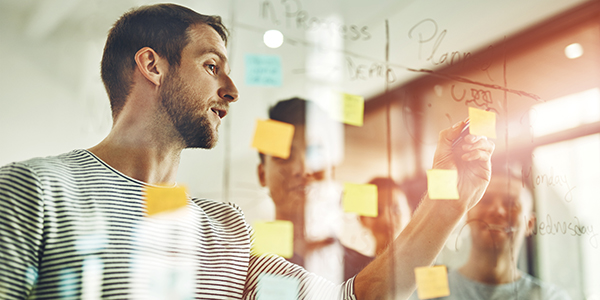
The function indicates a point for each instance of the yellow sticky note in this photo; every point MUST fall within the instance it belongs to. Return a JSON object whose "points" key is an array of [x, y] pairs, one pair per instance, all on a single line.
{"points": [[273, 138], [274, 237], [482, 122], [360, 199], [432, 282], [442, 184], [353, 109], [164, 199]]}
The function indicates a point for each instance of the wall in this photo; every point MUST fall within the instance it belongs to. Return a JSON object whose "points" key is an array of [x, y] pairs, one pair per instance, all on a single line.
{"points": [[53, 99]]}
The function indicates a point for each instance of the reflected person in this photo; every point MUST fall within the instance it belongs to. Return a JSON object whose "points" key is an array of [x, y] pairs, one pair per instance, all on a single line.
{"points": [[165, 68], [392, 207], [499, 224], [304, 192]]}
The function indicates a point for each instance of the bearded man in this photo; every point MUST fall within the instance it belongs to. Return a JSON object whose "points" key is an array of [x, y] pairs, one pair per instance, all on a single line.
{"points": [[73, 226]]}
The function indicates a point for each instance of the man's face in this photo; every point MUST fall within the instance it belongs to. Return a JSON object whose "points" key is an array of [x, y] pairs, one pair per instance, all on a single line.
{"points": [[289, 180], [502, 212], [196, 94]]}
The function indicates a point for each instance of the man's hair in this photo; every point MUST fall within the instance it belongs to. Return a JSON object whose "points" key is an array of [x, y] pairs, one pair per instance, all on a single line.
{"points": [[385, 183], [162, 27], [291, 111]]}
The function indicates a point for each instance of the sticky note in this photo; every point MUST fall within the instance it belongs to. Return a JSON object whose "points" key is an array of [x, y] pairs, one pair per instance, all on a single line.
{"points": [[360, 199], [442, 184], [482, 122], [263, 70], [68, 283], [274, 237], [164, 199], [432, 282], [352, 109], [277, 287], [273, 138], [91, 278]]}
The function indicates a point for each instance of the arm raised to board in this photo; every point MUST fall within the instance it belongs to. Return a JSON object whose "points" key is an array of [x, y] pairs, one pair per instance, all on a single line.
{"points": [[391, 275]]}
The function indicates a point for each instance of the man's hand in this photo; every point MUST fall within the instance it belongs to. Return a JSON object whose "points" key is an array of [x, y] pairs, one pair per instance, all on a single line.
{"points": [[391, 274], [471, 158]]}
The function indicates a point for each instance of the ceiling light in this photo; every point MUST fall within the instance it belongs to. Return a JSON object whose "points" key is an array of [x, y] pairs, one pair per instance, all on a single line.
{"points": [[574, 51], [273, 38]]}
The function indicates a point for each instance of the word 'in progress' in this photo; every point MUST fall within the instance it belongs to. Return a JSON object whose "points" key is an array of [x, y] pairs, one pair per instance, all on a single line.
{"points": [[572, 228], [298, 18]]}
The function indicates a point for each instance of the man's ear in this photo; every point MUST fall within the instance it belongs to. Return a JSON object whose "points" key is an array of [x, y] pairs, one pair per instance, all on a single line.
{"points": [[531, 221], [261, 174], [367, 222], [151, 65]]}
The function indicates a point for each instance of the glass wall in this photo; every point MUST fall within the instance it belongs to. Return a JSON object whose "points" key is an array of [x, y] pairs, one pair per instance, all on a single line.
{"points": [[381, 79]]}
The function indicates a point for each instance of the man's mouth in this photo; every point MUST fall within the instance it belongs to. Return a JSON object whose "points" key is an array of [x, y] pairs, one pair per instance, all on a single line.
{"points": [[300, 188], [219, 112], [502, 228]]}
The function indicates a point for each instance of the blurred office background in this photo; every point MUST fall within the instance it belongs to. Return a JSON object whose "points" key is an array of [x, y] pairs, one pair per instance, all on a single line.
{"points": [[418, 65]]}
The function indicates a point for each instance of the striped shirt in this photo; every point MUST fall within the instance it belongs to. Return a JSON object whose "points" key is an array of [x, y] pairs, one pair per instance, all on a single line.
{"points": [[72, 227]]}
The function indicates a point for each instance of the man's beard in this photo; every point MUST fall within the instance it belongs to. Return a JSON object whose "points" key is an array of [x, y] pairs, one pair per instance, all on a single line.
{"points": [[178, 101]]}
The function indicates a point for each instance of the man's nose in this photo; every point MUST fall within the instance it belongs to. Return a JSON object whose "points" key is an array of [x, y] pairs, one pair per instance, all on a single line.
{"points": [[303, 168], [228, 90], [307, 170], [498, 207]]}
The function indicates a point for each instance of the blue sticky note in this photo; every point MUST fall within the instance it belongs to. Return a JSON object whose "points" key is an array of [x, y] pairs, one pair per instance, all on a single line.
{"points": [[277, 287], [263, 70], [68, 283]]}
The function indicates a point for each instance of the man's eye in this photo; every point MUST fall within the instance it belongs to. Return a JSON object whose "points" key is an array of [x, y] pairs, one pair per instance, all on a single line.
{"points": [[212, 68], [280, 160]]}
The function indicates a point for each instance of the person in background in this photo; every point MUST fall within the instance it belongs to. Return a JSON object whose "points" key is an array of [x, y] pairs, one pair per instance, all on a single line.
{"points": [[166, 72], [302, 182], [499, 224], [291, 182], [392, 207]]}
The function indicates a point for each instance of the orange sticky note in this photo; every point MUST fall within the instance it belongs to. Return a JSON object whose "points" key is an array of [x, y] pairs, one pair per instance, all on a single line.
{"points": [[164, 199], [482, 122], [353, 109], [360, 199], [273, 138], [274, 237], [432, 282], [442, 184]]}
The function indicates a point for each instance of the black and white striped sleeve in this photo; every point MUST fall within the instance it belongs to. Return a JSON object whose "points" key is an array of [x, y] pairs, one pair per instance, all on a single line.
{"points": [[21, 230]]}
